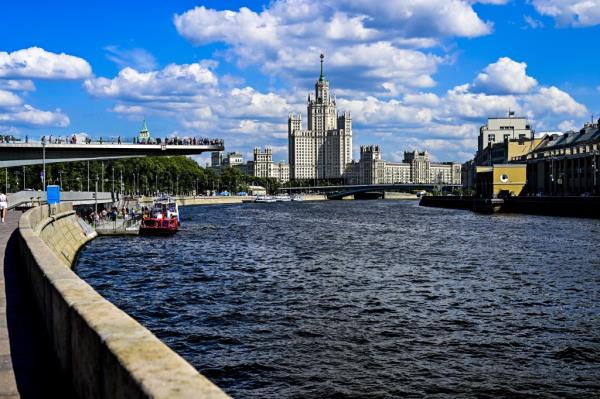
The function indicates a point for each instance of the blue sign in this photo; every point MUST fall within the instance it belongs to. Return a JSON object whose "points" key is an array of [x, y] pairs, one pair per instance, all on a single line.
{"points": [[53, 192]]}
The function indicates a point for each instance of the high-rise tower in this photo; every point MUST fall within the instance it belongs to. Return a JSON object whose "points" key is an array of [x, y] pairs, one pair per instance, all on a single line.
{"points": [[325, 148]]}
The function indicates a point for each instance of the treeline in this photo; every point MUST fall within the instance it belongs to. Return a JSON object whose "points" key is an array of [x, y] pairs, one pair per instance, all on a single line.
{"points": [[174, 175]]}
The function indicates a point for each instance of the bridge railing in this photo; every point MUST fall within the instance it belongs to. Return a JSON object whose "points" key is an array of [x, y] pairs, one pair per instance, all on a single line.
{"points": [[114, 140], [34, 198]]}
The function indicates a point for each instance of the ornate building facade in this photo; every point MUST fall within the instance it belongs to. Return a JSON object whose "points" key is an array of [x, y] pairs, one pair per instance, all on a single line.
{"points": [[324, 149], [415, 168]]}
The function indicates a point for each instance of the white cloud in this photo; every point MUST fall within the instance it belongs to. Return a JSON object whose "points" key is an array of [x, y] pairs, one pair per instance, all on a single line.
{"points": [[30, 116], [192, 95], [426, 99], [495, 2], [137, 58], [576, 13], [505, 76], [421, 18], [35, 62], [251, 103], [532, 22], [552, 100], [8, 99], [459, 103], [172, 83], [373, 43], [14, 113], [16, 85], [372, 111], [568, 125]]}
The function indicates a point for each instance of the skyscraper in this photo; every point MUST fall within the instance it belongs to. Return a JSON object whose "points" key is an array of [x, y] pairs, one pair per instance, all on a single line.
{"points": [[325, 148]]}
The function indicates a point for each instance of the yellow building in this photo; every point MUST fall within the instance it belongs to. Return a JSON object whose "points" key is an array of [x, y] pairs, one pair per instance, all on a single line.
{"points": [[500, 180]]}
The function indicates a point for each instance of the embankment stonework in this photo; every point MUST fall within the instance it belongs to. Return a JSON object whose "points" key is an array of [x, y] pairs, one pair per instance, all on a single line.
{"points": [[104, 352]]}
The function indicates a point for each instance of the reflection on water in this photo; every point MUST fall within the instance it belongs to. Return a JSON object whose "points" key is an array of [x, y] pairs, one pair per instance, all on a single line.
{"points": [[370, 299]]}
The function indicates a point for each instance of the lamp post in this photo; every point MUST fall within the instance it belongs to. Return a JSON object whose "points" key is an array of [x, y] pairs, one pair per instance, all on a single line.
{"points": [[43, 165], [23, 177], [60, 180], [96, 200], [88, 176]]}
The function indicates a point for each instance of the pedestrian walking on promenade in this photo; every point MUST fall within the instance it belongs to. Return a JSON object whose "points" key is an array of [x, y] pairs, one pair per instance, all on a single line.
{"points": [[3, 206]]}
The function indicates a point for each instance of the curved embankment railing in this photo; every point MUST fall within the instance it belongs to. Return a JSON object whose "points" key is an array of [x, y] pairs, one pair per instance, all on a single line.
{"points": [[104, 352]]}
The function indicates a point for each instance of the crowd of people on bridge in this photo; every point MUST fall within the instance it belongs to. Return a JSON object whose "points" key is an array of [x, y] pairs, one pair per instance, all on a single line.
{"points": [[5, 138], [87, 140], [178, 141]]}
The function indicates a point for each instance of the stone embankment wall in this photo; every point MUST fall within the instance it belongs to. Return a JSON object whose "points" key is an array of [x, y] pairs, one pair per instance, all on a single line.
{"points": [[104, 352]]}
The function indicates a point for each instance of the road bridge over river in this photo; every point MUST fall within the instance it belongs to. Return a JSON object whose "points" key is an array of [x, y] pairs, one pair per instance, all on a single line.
{"points": [[341, 191]]}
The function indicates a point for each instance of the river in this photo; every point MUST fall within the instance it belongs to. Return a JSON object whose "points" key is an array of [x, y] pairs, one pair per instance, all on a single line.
{"points": [[367, 299]]}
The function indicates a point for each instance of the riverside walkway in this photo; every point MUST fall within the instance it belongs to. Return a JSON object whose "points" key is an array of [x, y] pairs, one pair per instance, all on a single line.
{"points": [[27, 366]]}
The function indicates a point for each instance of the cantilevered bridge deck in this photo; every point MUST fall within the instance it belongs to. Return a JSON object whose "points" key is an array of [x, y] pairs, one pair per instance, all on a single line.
{"points": [[32, 153]]}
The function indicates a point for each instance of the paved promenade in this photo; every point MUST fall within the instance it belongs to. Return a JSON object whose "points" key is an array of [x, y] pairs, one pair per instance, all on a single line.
{"points": [[27, 366]]}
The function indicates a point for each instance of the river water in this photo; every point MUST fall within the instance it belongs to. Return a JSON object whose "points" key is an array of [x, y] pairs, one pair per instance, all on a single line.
{"points": [[367, 299]]}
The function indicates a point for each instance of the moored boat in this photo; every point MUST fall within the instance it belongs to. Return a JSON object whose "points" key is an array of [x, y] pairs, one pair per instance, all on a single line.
{"points": [[297, 197], [282, 198], [162, 218], [265, 199]]}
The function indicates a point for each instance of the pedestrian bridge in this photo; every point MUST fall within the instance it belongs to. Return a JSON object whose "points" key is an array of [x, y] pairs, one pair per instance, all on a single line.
{"points": [[339, 192], [33, 153]]}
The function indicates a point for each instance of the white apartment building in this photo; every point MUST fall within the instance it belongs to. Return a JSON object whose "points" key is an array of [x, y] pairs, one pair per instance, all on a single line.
{"points": [[263, 166], [498, 130], [324, 149]]}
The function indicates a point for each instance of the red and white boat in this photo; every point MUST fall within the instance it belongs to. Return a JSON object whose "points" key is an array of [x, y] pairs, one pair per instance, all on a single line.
{"points": [[162, 218]]}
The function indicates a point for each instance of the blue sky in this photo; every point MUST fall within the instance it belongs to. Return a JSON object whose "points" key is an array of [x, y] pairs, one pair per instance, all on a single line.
{"points": [[414, 73]]}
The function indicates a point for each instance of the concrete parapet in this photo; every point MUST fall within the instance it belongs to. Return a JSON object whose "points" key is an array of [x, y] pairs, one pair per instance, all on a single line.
{"points": [[104, 352], [391, 195]]}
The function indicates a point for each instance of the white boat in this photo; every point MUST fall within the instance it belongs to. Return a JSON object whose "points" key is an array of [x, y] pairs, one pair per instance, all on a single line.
{"points": [[265, 199], [297, 197], [282, 198]]}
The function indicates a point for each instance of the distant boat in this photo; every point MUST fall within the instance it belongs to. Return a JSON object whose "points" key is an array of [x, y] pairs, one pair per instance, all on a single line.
{"points": [[297, 198], [163, 218], [265, 199], [282, 198]]}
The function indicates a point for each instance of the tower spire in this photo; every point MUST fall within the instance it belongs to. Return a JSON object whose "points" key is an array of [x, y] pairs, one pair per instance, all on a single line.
{"points": [[321, 76]]}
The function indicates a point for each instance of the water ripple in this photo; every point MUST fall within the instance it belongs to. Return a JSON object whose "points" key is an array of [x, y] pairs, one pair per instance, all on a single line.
{"points": [[373, 299]]}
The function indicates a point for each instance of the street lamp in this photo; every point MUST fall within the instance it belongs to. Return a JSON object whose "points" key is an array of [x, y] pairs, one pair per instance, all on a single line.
{"points": [[43, 164]]}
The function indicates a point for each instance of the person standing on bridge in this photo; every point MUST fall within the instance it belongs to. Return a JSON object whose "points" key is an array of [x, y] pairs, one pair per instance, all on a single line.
{"points": [[3, 206]]}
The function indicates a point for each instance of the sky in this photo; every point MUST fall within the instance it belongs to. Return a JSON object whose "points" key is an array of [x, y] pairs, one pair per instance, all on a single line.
{"points": [[415, 74]]}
